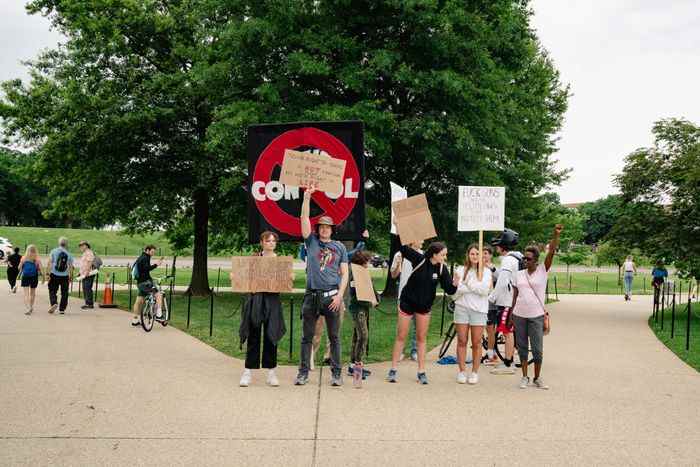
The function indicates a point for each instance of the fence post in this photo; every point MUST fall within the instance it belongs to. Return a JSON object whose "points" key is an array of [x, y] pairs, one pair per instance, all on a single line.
{"points": [[663, 310], [596, 284], [189, 306], [124, 251], [556, 290], [673, 312], [291, 326], [105, 251], [546, 291], [687, 327], [218, 276], [97, 286], [130, 281], [663, 303], [644, 284], [211, 311], [170, 299], [569, 282]]}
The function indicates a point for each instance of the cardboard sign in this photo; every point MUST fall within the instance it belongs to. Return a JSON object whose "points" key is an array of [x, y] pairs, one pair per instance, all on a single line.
{"points": [[363, 284], [251, 274], [320, 171], [397, 193], [413, 219], [481, 208]]}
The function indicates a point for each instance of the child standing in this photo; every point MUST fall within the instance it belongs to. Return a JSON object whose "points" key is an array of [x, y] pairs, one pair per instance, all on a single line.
{"points": [[359, 311]]}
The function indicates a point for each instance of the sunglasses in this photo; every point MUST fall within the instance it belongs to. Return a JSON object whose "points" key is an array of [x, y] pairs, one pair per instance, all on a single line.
{"points": [[529, 259]]}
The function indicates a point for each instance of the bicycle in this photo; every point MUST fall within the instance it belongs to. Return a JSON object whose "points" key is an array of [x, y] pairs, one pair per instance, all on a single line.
{"points": [[149, 310]]}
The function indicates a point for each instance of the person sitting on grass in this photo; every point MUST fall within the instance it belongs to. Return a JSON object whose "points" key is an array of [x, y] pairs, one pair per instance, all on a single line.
{"points": [[359, 311]]}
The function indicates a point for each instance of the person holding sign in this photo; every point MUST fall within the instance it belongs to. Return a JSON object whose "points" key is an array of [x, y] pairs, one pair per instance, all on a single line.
{"points": [[359, 309], [471, 310], [529, 317], [326, 280], [417, 299], [262, 311]]}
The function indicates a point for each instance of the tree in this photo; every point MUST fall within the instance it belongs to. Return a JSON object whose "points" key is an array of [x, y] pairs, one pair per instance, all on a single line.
{"points": [[575, 255], [22, 199], [450, 93], [611, 252], [660, 189], [599, 217]]}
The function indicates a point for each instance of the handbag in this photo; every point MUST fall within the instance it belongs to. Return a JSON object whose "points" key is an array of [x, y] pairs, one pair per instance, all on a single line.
{"points": [[547, 319]]}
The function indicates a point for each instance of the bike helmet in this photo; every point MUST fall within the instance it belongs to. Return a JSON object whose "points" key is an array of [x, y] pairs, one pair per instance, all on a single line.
{"points": [[506, 239]]}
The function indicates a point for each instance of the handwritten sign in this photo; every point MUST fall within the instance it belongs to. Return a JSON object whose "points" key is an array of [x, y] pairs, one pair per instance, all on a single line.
{"points": [[320, 171], [363, 284], [413, 219], [481, 208], [397, 193], [251, 274]]}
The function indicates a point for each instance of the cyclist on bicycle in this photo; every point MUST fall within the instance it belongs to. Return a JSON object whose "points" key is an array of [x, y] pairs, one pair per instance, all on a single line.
{"points": [[142, 271]]}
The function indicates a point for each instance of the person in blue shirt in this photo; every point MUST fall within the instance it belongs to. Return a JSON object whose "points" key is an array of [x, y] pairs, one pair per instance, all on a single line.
{"points": [[659, 274], [60, 274]]}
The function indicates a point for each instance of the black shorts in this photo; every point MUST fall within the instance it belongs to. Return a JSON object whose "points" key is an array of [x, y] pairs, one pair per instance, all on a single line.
{"points": [[30, 281], [145, 288], [492, 317]]}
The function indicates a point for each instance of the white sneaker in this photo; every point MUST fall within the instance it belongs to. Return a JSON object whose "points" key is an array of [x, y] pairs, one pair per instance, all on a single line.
{"points": [[473, 378], [502, 369], [159, 313], [245, 378], [272, 379], [29, 310], [312, 360], [539, 384], [53, 308], [524, 381], [461, 377]]}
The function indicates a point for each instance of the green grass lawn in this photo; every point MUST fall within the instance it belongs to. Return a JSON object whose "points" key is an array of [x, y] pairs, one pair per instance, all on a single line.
{"points": [[227, 319], [677, 344]]}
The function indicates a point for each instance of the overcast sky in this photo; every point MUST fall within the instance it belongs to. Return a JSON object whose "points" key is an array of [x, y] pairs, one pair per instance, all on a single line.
{"points": [[629, 63]]}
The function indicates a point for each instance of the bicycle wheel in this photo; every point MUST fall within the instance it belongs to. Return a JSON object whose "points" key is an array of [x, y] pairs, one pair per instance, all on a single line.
{"points": [[147, 315], [449, 337]]}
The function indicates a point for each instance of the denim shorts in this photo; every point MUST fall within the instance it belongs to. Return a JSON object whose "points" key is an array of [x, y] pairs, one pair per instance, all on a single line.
{"points": [[471, 317]]}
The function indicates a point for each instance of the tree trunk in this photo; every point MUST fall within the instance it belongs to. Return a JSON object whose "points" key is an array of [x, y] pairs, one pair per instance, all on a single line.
{"points": [[199, 284], [391, 284], [619, 274]]}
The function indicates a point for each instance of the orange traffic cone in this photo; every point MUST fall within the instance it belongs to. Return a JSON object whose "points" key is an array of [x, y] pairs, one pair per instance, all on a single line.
{"points": [[107, 299]]}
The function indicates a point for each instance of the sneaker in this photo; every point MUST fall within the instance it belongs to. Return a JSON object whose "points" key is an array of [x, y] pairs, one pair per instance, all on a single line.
{"points": [[414, 355], [491, 361], [327, 361], [350, 370], [336, 380], [473, 378], [29, 311], [312, 360], [524, 382], [461, 377], [87, 307], [539, 384], [422, 378], [53, 308], [62, 312], [245, 378], [14, 289], [301, 379], [392, 376], [159, 313], [502, 369], [272, 379], [365, 373], [135, 322]]}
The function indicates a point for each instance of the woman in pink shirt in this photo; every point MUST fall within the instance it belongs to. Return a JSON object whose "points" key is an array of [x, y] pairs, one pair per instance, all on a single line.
{"points": [[528, 310]]}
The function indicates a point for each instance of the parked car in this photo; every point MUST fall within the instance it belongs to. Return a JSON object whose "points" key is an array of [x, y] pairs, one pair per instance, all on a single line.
{"points": [[379, 261], [5, 248]]}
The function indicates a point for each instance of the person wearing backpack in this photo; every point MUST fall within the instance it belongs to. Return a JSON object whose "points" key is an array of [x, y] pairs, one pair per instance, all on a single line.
{"points": [[141, 273], [30, 269], [417, 299], [89, 262], [60, 273], [502, 294], [529, 316]]}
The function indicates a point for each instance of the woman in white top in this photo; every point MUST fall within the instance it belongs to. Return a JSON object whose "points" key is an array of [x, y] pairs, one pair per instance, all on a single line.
{"points": [[630, 271], [471, 311]]}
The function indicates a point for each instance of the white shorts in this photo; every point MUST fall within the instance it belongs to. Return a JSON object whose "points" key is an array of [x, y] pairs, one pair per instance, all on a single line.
{"points": [[471, 317]]}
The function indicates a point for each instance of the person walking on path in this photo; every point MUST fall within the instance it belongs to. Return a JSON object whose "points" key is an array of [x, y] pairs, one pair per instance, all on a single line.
{"points": [[502, 294], [630, 271], [144, 283], [402, 269], [13, 261], [326, 281], [529, 316], [262, 312], [359, 311], [492, 317], [60, 269], [659, 275], [471, 310], [417, 299], [30, 270], [87, 264]]}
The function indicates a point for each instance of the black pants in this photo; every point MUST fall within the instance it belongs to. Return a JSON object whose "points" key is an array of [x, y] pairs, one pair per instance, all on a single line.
{"points": [[316, 305], [54, 283], [12, 274], [87, 289], [269, 351]]}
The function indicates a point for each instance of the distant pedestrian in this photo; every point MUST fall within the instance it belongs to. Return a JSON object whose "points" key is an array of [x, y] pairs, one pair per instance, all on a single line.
{"points": [[30, 270], [87, 266], [659, 275], [60, 269], [630, 270], [13, 261]]}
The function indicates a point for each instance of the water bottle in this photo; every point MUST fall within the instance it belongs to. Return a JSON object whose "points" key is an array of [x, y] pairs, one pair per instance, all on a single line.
{"points": [[357, 375]]}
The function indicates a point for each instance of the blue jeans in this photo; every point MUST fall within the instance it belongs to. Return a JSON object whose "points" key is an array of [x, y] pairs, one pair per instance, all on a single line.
{"points": [[628, 282]]}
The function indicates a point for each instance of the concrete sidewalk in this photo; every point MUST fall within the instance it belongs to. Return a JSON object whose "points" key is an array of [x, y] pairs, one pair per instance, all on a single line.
{"points": [[87, 389]]}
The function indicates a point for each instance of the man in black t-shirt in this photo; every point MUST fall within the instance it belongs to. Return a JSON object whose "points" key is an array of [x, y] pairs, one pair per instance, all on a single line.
{"points": [[13, 269]]}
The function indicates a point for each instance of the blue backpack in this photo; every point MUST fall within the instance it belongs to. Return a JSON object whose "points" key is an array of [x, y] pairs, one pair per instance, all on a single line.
{"points": [[29, 269], [135, 272]]}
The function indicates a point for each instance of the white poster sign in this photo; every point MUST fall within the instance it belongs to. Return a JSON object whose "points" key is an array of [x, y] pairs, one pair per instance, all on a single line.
{"points": [[481, 208], [397, 193]]}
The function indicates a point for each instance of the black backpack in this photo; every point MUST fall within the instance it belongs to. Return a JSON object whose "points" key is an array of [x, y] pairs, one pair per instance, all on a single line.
{"points": [[521, 260], [62, 262]]}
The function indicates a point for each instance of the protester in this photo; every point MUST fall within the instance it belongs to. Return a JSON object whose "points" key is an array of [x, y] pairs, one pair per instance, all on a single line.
{"points": [[417, 299], [87, 264], [13, 261], [630, 270], [471, 310], [502, 294], [402, 269], [142, 271], [359, 311], [60, 269], [262, 312], [30, 270], [326, 281], [659, 275], [492, 317], [529, 316]]}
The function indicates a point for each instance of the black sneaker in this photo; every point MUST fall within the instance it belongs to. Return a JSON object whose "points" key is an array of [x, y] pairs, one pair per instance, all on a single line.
{"points": [[327, 361], [336, 380], [87, 307], [365, 373], [350, 370], [301, 379]]}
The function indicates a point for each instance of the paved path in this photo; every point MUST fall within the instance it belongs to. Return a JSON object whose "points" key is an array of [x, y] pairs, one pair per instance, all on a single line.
{"points": [[86, 389]]}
